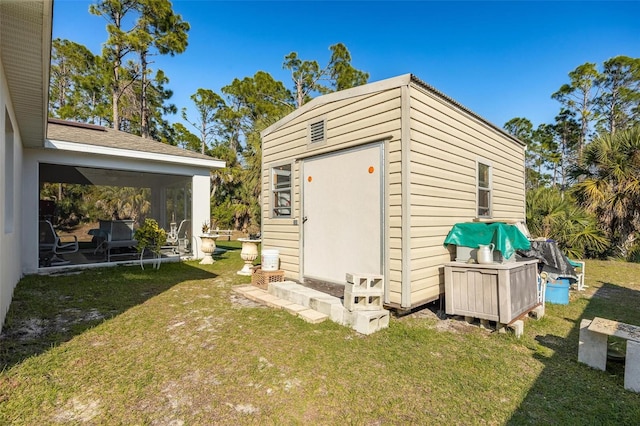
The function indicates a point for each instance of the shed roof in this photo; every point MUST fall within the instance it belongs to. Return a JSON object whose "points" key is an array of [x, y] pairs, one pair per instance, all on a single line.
{"points": [[391, 83], [104, 140]]}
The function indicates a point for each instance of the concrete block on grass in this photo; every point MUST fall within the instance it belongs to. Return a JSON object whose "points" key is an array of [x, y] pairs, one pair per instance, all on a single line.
{"points": [[367, 322], [340, 315], [517, 327], [537, 312]]}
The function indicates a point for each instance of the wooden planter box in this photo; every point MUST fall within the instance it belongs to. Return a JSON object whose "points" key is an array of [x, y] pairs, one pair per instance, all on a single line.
{"points": [[496, 292]]}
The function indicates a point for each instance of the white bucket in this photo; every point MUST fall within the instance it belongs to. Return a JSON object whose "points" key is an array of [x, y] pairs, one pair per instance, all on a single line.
{"points": [[270, 259]]}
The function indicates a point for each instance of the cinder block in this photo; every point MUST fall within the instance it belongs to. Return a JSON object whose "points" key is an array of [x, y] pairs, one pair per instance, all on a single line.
{"points": [[354, 303], [367, 322], [537, 312], [359, 280], [518, 328], [365, 281], [383, 320], [351, 288], [341, 315], [632, 367], [362, 301]]}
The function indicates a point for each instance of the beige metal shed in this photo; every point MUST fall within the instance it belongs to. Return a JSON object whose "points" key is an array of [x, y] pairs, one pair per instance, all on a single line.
{"points": [[371, 180]]}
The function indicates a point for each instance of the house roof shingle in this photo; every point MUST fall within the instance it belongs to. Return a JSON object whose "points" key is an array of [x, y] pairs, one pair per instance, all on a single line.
{"points": [[105, 137]]}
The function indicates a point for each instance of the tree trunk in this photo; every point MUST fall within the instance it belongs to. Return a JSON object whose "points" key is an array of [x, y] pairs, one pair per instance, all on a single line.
{"points": [[144, 116], [299, 93], [203, 135]]}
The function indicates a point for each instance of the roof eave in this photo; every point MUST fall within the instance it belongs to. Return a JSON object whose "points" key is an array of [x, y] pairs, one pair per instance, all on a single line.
{"points": [[131, 154], [26, 53]]}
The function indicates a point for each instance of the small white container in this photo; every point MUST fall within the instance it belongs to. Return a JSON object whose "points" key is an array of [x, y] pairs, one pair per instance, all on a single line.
{"points": [[270, 259]]}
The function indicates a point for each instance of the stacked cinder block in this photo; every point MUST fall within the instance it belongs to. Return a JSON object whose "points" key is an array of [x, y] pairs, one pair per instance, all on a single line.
{"points": [[363, 296]]}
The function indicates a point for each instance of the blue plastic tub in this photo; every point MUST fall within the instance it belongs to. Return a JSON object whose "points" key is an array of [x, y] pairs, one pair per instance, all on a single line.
{"points": [[558, 292]]}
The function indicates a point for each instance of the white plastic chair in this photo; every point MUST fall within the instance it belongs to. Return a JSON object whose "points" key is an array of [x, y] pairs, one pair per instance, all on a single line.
{"points": [[579, 264], [542, 287]]}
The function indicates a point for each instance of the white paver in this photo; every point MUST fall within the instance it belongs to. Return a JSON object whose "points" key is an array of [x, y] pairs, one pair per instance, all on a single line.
{"points": [[311, 316]]}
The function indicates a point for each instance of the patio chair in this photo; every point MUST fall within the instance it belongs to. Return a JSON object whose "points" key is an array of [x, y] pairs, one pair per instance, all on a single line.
{"points": [[50, 241], [51, 245], [579, 264], [542, 287]]}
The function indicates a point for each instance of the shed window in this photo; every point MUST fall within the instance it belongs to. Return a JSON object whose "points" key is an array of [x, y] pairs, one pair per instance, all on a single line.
{"points": [[316, 132], [281, 190], [484, 190]]}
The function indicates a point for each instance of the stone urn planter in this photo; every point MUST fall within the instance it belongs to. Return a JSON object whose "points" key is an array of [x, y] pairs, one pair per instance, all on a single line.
{"points": [[249, 253], [208, 247]]}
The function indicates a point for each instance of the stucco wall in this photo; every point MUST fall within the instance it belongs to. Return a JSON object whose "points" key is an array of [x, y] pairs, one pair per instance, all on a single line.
{"points": [[10, 238]]}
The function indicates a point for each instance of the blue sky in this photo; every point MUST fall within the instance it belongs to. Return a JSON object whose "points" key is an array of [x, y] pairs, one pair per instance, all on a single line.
{"points": [[501, 59]]}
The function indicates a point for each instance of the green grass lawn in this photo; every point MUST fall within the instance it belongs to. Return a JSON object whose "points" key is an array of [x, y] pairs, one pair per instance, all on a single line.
{"points": [[178, 346]]}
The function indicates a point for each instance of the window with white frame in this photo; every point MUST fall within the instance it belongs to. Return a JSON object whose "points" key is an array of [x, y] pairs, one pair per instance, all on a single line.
{"points": [[281, 190], [484, 189]]}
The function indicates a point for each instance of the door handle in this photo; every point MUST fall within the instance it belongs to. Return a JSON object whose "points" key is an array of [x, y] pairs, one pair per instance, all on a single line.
{"points": [[304, 219]]}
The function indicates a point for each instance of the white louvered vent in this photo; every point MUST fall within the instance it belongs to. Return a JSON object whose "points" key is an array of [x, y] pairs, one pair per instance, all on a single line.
{"points": [[316, 132]]}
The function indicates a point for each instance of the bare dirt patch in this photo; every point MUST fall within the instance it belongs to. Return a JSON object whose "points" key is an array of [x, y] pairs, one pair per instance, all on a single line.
{"points": [[35, 328]]}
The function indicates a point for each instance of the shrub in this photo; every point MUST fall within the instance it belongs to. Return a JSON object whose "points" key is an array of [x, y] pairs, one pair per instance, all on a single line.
{"points": [[150, 236]]}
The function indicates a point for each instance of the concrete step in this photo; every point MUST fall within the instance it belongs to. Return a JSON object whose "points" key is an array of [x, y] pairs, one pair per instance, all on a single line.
{"points": [[315, 306], [367, 321], [262, 296]]}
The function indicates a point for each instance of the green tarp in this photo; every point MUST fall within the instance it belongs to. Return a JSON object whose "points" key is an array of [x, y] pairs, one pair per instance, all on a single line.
{"points": [[506, 238]]}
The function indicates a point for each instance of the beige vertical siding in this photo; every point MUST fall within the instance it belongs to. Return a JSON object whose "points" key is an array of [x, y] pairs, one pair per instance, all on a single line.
{"points": [[446, 142], [371, 117]]}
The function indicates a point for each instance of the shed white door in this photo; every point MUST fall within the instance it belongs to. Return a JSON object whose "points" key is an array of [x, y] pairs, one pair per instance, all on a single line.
{"points": [[342, 205]]}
